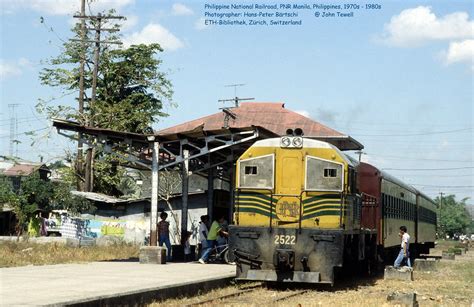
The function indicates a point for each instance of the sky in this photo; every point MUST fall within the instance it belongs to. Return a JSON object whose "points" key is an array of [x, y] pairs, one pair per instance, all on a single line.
{"points": [[398, 79]]}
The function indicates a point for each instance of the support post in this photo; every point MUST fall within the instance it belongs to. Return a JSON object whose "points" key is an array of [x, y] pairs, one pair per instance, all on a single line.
{"points": [[210, 193], [184, 193], [232, 194], [154, 193]]}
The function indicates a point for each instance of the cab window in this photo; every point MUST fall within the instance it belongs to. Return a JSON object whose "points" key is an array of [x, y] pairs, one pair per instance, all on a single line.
{"points": [[256, 173], [323, 175]]}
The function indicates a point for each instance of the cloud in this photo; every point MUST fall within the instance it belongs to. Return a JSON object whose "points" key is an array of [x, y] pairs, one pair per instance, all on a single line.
{"points": [[460, 52], [416, 26], [200, 24], [60, 7], [304, 113], [24, 62], [154, 33], [179, 9], [129, 23], [10, 69]]}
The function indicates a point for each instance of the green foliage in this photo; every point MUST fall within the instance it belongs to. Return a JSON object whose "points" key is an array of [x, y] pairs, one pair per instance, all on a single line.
{"points": [[61, 198], [131, 93], [38, 194], [132, 89], [107, 175], [453, 216]]}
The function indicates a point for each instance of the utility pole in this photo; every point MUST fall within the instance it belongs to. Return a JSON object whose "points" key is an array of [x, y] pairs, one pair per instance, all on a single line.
{"points": [[13, 149], [360, 153], [80, 143], [88, 172]]}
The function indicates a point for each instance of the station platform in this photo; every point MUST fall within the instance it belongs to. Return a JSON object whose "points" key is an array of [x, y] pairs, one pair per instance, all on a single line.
{"points": [[107, 283]]}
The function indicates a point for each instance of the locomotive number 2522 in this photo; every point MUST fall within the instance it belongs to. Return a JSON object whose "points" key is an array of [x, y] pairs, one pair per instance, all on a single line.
{"points": [[285, 239]]}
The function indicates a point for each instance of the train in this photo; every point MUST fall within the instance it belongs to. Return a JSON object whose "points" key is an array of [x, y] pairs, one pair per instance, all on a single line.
{"points": [[304, 212]]}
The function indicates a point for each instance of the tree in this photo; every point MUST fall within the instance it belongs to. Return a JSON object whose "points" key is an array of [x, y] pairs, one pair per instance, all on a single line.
{"points": [[453, 215], [169, 185], [37, 194], [131, 93]]}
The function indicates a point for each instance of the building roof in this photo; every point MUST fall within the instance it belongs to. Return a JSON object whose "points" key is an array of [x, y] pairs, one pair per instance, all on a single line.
{"points": [[24, 169], [272, 116]]}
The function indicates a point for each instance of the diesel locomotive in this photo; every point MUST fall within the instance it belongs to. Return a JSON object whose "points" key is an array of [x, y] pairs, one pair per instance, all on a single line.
{"points": [[304, 210]]}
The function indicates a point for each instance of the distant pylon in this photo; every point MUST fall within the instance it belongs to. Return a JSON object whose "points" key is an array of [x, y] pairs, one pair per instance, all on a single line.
{"points": [[13, 130]]}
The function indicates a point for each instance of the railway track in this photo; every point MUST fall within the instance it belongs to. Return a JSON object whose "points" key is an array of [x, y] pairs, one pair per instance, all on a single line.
{"points": [[230, 298]]}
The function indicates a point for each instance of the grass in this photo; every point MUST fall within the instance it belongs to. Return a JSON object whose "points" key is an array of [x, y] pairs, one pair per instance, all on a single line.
{"points": [[14, 254]]}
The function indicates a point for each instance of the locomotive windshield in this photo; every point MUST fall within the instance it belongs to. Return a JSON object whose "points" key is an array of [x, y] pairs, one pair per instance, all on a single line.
{"points": [[323, 175], [256, 173]]}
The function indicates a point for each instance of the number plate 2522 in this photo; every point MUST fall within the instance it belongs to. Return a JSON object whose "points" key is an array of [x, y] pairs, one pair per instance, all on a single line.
{"points": [[285, 239]]}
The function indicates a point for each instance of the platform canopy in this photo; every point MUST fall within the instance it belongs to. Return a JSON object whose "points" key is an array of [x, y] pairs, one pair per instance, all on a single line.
{"points": [[205, 148]]}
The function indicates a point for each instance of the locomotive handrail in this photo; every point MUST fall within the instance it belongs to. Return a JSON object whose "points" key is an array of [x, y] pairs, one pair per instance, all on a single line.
{"points": [[343, 202], [271, 211], [301, 209]]}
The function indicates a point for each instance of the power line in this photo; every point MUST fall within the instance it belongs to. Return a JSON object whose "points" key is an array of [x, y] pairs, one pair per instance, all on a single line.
{"points": [[418, 159], [417, 134], [438, 176], [443, 186], [25, 132], [426, 169]]}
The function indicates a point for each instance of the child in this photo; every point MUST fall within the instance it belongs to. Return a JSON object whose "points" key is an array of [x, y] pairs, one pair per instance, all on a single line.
{"points": [[164, 234]]}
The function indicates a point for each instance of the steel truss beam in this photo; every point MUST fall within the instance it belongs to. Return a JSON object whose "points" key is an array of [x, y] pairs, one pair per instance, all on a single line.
{"points": [[171, 153]]}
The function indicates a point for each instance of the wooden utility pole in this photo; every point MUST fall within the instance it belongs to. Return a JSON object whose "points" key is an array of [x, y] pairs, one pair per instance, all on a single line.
{"points": [[79, 160], [88, 172]]}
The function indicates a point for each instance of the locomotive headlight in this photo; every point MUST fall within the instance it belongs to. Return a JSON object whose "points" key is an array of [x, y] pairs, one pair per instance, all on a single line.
{"points": [[285, 141], [298, 142]]}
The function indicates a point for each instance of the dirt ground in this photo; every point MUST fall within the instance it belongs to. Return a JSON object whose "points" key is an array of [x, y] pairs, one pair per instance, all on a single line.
{"points": [[451, 285]]}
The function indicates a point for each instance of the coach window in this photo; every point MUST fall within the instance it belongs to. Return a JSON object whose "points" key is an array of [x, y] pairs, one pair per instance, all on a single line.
{"points": [[257, 173], [323, 175]]}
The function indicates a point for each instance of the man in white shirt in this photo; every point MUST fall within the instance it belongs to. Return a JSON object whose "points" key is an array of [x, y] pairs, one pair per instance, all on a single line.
{"points": [[203, 231], [403, 254]]}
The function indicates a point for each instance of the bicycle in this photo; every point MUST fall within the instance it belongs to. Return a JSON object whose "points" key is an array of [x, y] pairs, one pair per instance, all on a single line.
{"points": [[220, 253]]}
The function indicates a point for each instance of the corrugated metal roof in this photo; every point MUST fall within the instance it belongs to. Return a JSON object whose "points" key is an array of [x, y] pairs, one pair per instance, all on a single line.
{"points": [[271, 116]]}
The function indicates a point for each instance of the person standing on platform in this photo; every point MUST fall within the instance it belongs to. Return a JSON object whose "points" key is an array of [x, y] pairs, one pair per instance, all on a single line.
{"points": [[404, 253], [214, 231], [203, 231], [164, 234]]}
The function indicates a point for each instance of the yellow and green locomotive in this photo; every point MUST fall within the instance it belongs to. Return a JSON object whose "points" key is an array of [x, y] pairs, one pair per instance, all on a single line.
{"points": [[297, 212]]}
